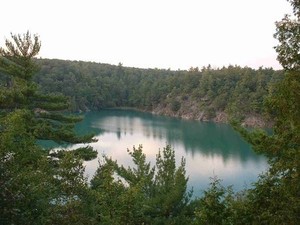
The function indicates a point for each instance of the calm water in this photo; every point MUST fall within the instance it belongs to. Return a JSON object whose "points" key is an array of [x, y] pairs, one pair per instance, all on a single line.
{"points": [[209, 149]]}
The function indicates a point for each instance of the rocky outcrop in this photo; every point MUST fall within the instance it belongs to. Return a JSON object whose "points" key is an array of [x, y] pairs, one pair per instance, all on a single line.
{"points": [[221, 117], [256, 121], [190, 111], [187, 111]]}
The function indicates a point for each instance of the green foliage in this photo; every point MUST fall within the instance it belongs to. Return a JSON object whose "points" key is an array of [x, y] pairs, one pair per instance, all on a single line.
{"points": [[220, 205], [171, 184], [108, 200], [40, 189], [23, 181], [70, 192], [140, 195], [287, 31], [35, 188], [16, 70], [212, 207], [19, 91], [85, 153], [275, 198], [93, 86], [175, 105]]}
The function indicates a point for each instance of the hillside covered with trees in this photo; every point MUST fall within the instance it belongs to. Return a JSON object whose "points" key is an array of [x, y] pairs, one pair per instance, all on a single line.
{"points": [[38, 187], [206, 94]]}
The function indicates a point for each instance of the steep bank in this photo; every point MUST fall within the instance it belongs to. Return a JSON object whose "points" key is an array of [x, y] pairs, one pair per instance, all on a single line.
{"points": [[190, 111], [206, 95]]}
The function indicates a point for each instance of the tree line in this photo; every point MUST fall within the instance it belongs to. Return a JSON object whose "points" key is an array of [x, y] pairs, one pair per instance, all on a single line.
{"points": [[39, 186], [239, 92]]}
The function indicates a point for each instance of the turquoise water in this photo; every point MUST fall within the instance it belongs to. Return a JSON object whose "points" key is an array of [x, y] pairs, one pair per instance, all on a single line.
{"points": [[210, 149]]}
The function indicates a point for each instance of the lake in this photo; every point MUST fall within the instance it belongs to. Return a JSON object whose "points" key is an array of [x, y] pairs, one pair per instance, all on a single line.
{"points": [[210, 149]]}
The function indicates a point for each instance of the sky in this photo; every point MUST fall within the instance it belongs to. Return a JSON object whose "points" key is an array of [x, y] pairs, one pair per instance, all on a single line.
{"points": [[175, 34]]}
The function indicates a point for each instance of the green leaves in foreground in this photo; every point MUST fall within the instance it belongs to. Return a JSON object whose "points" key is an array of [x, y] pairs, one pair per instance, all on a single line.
{"points": [[85, 153], [142, 194]]}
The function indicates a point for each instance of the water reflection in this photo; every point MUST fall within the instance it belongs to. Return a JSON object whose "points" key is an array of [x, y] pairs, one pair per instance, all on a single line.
{"points": [[197, 138], [210, 149]]}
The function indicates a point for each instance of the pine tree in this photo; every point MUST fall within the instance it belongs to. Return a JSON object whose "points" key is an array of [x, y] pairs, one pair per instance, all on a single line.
{"points": [[18, 91], [36, 188], [276, 196], [141, 195]]}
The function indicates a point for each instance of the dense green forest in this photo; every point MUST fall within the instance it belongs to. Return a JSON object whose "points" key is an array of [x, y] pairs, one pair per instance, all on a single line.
{"points": [[41, 187], [206, 94]]}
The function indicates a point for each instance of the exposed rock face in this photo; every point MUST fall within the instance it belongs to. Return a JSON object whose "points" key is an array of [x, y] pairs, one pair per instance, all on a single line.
{"points": [[255, 121], [221, 117], [190, 111], [187, 111]]}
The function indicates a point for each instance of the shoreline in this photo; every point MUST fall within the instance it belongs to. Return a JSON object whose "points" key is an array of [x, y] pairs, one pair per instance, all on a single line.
{"points": [[253, 121]]}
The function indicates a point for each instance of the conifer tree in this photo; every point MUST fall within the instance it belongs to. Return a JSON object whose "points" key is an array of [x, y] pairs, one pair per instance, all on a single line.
{"points": [[18, 91], [276, 196], [35, 188], [141, 195]]}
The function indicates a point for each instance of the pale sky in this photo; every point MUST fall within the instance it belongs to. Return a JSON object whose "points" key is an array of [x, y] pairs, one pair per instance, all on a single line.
{"points": [[176, 34]]}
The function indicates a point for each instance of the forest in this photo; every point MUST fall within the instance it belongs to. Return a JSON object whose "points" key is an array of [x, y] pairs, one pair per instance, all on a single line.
{"points": [[207, 94], [39, 186]]}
